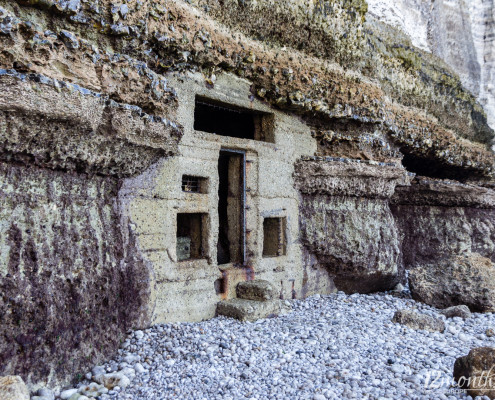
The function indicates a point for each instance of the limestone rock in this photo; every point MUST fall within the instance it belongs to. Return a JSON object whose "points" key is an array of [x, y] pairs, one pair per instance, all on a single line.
{"points": [[423, 191], [438, 218], [130, 372], [44, 193], [46, 394], [340, 178], [461, 311], [80, 109], [13, 388], [93, 390], [66, 394], [251, 310], [415, 320], [131, 152], [474, 372], [460, 33], [356, 239], [399, 288], [78, 396], [464, 279], [257, 289], [113, 379]]}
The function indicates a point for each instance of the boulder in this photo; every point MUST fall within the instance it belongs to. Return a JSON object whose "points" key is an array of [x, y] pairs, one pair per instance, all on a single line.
{"points": [[13, 388], [355, 239], [463, 279], [461, 311], [251, 310], [415, 320], [475, 372], [257, 289]]}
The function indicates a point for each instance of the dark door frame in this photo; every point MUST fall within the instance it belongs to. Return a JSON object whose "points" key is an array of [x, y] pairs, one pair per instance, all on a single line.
{"points": [[243, 200]]}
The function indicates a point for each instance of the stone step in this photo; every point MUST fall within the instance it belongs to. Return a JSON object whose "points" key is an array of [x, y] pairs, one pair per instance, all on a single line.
{"points": [[257, 289], [252, 310]]}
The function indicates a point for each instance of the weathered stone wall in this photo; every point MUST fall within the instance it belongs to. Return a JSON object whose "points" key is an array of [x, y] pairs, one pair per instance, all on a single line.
{"points": [[440, 219], [346, 222], [189, 290], [356, 239], [71, 282]]}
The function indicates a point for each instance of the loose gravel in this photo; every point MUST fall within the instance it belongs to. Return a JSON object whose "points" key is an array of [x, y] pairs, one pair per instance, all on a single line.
{"points": [[329, 347]]}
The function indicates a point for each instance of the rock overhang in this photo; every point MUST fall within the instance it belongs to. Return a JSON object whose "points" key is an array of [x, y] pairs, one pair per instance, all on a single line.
{"points": [[171, 37]]}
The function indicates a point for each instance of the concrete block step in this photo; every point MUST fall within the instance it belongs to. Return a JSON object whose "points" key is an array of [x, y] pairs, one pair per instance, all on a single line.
{"points": [[252, 310], [257, 289]]}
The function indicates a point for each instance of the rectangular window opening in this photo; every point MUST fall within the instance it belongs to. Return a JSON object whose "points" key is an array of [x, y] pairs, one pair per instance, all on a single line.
{"points": [[194, 184], [274, 237], [227, 120], [191, 237]]}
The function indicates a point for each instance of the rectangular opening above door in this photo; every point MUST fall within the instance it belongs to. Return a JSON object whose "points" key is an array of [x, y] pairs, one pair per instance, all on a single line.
{"points": [[231, 245], [227, 120]]}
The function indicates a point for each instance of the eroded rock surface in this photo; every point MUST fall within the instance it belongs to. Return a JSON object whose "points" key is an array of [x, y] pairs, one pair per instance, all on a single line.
{"points": [[71, 283], [255, 290], [346, 222], [450, 29], [415, 320], [474, 372], [465, 279], [356, 239], [180, 38], [252, 310], [13, 388], [438, 219], [461, 311], [87, 98]]}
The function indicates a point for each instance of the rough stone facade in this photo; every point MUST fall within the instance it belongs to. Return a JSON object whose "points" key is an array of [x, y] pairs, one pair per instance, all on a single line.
{"points": [[154, 154], [438, 219], [347, 223], [71, 284]]}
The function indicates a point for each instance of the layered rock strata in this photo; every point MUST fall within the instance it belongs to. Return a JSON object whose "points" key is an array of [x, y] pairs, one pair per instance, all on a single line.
{"points": [[440, 218], [449, 29], [346, 222], [86, 100], [173, 37], [71, 281]]}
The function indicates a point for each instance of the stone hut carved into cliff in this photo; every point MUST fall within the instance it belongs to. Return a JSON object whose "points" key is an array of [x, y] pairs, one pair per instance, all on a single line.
{"points": [[156, 153]]}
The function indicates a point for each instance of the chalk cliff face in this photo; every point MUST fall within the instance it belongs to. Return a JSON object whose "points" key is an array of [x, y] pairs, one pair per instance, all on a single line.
{"points": [[460, 32]]}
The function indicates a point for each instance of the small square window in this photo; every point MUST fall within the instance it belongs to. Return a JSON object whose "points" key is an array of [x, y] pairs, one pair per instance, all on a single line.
{"points": [[274, 237], [194, 184], [191, 238]]}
